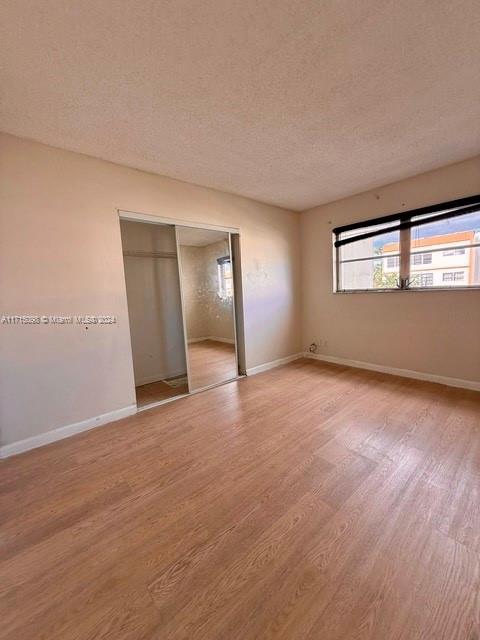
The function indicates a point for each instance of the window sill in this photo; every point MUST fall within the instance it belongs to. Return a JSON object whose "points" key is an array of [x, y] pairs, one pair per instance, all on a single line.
{"points": [[412, 290]]}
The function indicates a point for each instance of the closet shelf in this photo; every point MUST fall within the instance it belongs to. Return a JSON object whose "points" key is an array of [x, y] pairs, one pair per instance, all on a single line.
{"points": [[150, 254]]}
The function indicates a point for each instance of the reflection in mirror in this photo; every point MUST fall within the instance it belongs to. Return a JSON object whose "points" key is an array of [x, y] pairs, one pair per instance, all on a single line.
{"points": [[207, 287]]}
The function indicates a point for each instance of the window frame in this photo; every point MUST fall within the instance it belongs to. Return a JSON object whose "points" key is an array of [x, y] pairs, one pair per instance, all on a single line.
{"points": [[444, 210]]}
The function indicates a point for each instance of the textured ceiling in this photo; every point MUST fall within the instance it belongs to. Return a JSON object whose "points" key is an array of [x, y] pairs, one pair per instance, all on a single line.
{"points": [[294, 103]]}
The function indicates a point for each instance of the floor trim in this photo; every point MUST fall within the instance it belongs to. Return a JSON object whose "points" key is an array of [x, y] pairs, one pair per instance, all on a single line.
{"points": [[65, 432], [158, 403], [405, 373], [158, 378], [274, 363]]}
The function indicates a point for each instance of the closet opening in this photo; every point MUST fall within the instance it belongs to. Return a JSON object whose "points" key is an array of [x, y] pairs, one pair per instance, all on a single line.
{"points": [[185, 306], [154, 311]]}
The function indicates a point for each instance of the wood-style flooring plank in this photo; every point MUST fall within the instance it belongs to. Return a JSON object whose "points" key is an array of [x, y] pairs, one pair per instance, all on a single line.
{"points": [[312, 501]]}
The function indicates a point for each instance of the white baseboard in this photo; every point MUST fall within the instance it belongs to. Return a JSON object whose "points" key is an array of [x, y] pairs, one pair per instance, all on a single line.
{"points": [[158, 377], [65, 432], [274, 363], [404, 373]]}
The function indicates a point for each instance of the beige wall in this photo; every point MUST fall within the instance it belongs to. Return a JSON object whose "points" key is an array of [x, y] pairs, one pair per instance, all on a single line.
{"points": [[219, 311], [61, 253], [206, 314], [434, 331], [193, 278], [154, 301]]}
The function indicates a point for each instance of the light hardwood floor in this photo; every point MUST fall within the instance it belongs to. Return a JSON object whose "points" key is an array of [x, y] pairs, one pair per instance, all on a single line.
{"points": [[157, 391], [309, 502], [210, 362]]}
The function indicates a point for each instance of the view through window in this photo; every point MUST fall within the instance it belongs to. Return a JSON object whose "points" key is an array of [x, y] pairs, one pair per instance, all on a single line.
{"points": [[412, 250], [225, 278]]}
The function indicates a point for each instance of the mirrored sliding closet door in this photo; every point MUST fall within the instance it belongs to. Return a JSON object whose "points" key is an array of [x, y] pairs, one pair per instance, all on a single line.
{"points": [[206, 276]]}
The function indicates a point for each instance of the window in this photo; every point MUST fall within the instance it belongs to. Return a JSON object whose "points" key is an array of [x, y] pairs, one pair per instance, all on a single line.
{"points": [[390, 253], [422, 258], [393, 262], [425, 279], [453, 275], [454, 252], [225, 278]]}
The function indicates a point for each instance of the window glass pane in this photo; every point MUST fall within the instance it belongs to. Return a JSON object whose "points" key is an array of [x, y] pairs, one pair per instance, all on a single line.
{"points": [[450, 259], [466, 225], [368, 274], [447, 269], [370, 247]]}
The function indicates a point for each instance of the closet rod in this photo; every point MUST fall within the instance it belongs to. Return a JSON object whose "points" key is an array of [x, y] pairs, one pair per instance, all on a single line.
{"points": [[150, 254]]}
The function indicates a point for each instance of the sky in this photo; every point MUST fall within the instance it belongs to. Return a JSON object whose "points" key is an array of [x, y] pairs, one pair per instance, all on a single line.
{"points": [[468, 222]]}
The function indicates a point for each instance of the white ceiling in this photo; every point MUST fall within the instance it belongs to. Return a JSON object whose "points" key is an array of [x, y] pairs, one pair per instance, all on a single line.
{"points": [[294, 103]]}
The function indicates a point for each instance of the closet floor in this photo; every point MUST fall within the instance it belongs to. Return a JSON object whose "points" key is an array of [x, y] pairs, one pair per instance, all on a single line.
{"points": [[211, 361], [157, 391]]}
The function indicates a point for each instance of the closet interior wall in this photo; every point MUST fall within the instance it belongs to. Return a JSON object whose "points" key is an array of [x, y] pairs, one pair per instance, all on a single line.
{"points": [[154, 309]]}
